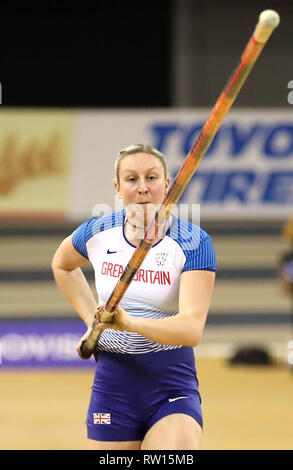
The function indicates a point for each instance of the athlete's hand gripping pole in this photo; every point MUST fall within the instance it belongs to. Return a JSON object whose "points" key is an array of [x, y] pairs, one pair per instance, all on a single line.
{"points": [[268, 21]]}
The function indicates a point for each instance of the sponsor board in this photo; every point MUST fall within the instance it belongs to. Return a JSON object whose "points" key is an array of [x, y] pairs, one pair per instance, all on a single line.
{"points": [[41, 343], [61, 163], [35, 153], [246, 172]]}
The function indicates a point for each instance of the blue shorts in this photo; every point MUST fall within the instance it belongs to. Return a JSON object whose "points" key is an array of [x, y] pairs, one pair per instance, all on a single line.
{"points": [[131, 392]]}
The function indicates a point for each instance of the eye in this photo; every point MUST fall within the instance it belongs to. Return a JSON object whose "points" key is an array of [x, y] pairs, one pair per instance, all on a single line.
{"points": [[131, 179], [152, 177]]}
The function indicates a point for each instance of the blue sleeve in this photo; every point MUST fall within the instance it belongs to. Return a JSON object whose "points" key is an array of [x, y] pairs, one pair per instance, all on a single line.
{"points": [[92, 227], [203, 257], [79, 239]]}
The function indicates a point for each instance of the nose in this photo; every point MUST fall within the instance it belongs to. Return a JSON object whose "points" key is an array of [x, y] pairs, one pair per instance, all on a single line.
{"points": [[142, 188]]}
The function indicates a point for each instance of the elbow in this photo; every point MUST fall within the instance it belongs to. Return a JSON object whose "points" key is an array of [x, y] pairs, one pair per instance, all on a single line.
{"points": [[58, 266], [53, 264], [193, 332], [192, 340]]}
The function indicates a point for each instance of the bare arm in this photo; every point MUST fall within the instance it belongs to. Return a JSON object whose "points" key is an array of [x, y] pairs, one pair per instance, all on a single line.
{"points": [[72, 282], [184, 329]]}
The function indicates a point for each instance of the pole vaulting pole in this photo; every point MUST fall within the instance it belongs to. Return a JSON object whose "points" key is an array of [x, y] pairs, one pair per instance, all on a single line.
{"points": [[268, 21]]}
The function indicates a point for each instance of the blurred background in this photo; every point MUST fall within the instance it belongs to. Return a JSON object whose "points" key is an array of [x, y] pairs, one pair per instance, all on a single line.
{"points": [[79, 83]]}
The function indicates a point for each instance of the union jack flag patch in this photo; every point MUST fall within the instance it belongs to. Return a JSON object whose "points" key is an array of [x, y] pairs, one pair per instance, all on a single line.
{"points": [[102, 418]]}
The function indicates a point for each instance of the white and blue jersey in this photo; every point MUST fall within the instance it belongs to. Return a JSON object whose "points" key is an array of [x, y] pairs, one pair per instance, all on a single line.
{"points": [[138, 381], [154, 291]]}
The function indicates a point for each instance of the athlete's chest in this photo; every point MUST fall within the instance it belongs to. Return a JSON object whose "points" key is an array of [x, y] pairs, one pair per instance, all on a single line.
{"points": [[110, 253]]}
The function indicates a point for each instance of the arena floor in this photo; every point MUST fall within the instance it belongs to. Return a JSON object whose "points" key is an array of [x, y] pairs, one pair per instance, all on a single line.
{"points": [[245, 407]]}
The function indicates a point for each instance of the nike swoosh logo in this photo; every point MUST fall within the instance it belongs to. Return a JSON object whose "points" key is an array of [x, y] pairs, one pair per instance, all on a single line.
{"points": [[177, 398], [110, 252]]}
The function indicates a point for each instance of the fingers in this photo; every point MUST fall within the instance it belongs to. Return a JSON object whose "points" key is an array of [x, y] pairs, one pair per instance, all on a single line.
{"points": [[119, 310], [99, 311], [115, 318], [82, 339], [90, 333], [101, 325]]}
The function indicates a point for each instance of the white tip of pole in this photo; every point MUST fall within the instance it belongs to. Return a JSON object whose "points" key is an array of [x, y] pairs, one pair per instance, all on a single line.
{"points": [[269, 18]]}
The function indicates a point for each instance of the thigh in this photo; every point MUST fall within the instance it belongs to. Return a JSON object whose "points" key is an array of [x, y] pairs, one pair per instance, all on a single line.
{"points": [[173, 432], [116, 428], [108, 445], [111, 419]]}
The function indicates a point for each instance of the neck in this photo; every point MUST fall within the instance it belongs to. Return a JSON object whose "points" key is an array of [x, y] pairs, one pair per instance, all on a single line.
{"points": [[135, 226], [133, 233]]}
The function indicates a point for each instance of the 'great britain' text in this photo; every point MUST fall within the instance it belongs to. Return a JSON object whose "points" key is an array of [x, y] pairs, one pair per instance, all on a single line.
{"points": [[142, 275]]}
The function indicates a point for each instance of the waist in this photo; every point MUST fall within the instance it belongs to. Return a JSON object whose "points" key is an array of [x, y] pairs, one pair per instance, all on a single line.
{"points": [[173, 369], [122, 342], [146, 377], [178, 361]]}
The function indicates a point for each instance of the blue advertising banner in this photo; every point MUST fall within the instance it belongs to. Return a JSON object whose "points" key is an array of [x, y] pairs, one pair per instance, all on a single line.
{"points": [[41, 343], [246, 172]]}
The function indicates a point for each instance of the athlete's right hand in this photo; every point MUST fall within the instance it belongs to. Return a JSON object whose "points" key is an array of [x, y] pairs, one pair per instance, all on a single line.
{"points": [[90, 333], [82, 339]]}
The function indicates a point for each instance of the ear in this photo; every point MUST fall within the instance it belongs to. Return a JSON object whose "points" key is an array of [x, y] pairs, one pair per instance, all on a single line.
{"points": [[167, 184], [116, 184]]}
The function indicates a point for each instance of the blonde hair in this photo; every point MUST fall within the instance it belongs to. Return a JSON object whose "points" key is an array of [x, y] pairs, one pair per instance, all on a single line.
{"points": [[138, 148]]}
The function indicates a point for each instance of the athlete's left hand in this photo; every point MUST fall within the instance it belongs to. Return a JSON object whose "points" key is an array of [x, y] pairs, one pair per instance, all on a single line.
{"points": [[120, 321]]}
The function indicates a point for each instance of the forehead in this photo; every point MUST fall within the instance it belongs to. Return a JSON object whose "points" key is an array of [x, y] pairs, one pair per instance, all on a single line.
{"points": [[140, 162]]}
